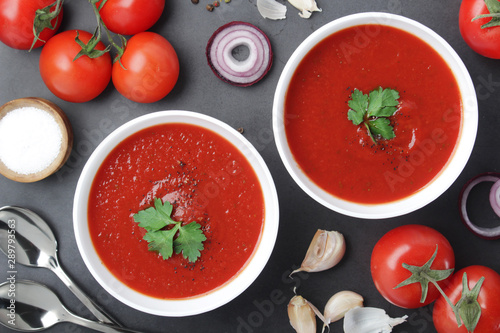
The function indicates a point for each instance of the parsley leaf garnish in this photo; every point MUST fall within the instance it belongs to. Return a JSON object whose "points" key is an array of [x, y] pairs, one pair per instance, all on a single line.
{"points": [[373, 111], [189, 240]]}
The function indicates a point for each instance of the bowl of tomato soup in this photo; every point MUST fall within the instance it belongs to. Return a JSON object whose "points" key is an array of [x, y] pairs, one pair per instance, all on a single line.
{"points": [[221, 196], [374, 115]]}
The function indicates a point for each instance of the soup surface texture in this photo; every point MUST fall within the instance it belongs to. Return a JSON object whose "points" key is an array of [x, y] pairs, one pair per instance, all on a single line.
{"points": [[206, 179], [339, 156]]}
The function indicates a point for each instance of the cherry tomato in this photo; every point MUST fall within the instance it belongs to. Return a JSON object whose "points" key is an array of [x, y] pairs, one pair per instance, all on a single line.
{"points": [[489, 300], [413, 245], [73, 81], [16, 23], [484, 41], [151, 68], [129, 17]]}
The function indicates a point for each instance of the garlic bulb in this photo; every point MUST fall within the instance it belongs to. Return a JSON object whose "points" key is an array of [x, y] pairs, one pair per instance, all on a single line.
{"points": [[338, 305], [271, 9], [325, 251], [301, 315], [306, 7], [370, 320]]}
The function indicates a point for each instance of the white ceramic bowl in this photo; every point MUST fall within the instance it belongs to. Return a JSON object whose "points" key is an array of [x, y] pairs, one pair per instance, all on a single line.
{"points": [[182, 307], [450, 172]]}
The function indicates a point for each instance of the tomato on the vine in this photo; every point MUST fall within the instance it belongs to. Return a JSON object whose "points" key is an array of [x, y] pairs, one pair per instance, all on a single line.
{"points": [[129, 17], [415, 246], [488, 299], [148, 69], [72, 80], [483, 40], [16, 23]]}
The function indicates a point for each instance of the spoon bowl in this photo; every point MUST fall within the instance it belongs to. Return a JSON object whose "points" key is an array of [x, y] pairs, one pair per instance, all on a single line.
{"points": [[27, 303], [36, 245]]}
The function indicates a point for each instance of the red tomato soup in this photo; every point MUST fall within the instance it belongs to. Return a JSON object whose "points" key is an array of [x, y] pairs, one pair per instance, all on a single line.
{"points": [[206, 179], [339, 156]]}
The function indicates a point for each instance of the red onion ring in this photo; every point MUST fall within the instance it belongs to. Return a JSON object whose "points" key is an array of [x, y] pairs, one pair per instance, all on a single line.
{"points": [[486, 233], [495, 197], [239, 73]]}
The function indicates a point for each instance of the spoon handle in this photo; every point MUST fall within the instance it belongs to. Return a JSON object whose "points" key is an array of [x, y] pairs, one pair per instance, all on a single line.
{"points": [[97, 326], [93, 307]]}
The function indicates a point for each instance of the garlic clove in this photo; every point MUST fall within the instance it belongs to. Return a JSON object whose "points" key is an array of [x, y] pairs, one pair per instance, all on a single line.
{"points": [[271, 9], [370, 320], [325, 251], [306, 7], [301, 315], [338, 305]]}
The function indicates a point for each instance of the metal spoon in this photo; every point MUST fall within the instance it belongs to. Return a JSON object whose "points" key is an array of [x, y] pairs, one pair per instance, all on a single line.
{"points": [[36, 246], [29, 306]]}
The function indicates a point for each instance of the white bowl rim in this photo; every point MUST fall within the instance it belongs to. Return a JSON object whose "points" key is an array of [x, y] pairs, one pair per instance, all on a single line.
{"points": [[464, 146], [181, 307]]}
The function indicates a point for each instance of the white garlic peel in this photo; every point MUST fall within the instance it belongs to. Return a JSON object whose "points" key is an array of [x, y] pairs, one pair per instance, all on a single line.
{"points": [[301, 315], [271, 9], [370, 320], [327, 248], [339, 304], [306, 7]]}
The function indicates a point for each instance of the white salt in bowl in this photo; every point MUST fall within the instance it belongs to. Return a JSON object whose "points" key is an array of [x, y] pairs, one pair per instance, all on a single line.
{"points": [[446, 176], [29, 152]]}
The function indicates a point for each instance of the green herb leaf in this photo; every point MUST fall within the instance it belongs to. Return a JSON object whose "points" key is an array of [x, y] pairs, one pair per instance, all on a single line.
{"points": [[358, 105], [161, 241], [155, 219], [494, 13], [382, 127], [373, 110], [383, 102], [190, 241]]}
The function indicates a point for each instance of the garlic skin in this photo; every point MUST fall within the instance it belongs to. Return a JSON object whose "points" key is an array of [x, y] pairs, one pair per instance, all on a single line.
{"points": [[327, 248], [301, 315], [370, 320], [306, 7], [338, 305], [271, 9]]}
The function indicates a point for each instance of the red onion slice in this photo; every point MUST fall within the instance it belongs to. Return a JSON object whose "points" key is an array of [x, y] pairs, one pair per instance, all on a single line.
{"points": [[495, 197], [225, 66], [487, 233]]}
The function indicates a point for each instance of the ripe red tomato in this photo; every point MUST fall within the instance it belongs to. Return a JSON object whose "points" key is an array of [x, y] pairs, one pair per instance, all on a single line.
{"points": [[484, 41], [151, 68], [413, 245], [489, 300], [129, 17], [73, 81], [16, 23]]}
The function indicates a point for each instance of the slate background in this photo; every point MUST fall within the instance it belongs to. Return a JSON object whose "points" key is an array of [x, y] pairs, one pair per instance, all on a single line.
{"points": [[262, 307]]}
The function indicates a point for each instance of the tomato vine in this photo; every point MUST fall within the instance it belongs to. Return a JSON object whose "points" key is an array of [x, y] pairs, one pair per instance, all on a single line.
{"points": [[467, 310]]}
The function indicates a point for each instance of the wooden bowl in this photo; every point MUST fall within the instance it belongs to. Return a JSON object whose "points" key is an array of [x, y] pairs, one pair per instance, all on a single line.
{"points": [[66, 142]]}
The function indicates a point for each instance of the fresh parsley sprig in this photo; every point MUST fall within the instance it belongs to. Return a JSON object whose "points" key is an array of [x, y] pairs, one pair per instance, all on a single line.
{"points": [[373, 111], [163, 240]]}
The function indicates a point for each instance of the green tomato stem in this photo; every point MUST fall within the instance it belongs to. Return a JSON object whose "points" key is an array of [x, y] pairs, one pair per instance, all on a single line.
{"points": [[43, 19], [453, 307], [100, 22]]}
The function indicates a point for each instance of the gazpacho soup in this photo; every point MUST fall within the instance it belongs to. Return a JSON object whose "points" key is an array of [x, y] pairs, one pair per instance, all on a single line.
{"points": [[197, 180], [372, 114]]}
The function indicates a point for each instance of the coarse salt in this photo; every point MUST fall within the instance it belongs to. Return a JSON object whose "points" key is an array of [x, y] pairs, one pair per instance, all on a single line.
{"points": [[30, 140]]}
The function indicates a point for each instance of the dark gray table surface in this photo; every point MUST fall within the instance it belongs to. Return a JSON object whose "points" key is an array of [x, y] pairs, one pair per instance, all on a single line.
{"points": [[262, 307]]}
